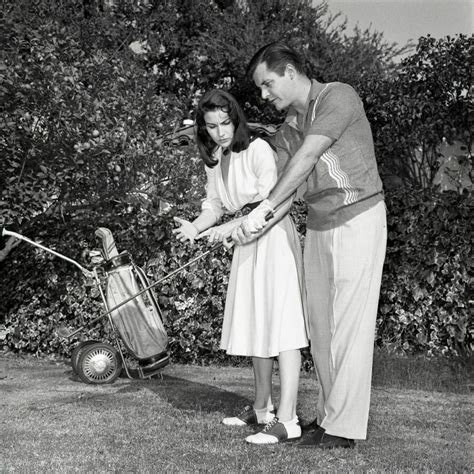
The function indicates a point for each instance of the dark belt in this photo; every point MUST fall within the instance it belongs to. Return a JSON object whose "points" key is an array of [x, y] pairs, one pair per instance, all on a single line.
{"points": [[250, 207]]}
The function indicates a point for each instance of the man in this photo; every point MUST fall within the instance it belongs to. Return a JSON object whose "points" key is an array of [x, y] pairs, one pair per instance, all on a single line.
{"points": [[326, 142]]}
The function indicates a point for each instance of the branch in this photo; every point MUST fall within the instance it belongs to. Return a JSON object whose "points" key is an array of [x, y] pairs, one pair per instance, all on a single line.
{"points": [[9, 246]]}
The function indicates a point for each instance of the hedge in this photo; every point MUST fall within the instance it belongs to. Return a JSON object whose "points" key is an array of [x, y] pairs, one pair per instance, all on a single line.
{"points": [[423, 305]]}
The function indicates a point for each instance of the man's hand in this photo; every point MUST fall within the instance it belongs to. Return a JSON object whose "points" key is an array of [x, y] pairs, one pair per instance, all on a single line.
{"points": [[186, 231], [253, 223], [257, 219]]}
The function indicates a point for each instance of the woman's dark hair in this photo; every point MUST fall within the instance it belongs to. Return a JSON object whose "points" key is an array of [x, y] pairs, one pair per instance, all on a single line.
{"points": [[276, 56], [217, 99]]}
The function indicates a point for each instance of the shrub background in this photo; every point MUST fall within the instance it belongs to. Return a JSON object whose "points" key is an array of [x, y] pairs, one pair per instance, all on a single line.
{"points": [[423, 306], [87, 88]]}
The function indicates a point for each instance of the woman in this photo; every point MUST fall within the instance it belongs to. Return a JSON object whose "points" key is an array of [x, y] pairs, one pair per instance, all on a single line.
{"points": [[264, 311]]}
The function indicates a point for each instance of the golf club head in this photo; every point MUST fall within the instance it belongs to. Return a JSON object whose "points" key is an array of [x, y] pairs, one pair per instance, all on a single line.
{"points": [[108, 242]]}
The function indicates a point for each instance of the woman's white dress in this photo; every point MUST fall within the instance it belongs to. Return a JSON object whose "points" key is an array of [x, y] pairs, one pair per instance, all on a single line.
{"points": [[265, 306]]}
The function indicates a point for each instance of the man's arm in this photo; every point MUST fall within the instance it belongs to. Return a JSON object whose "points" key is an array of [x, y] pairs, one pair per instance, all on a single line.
{"points": [[293, 175], [239, 236], [299, 167]]}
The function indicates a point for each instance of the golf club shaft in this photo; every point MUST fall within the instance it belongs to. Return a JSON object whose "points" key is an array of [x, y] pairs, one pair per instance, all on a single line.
{"points": [[149, 287], [215, 247]]}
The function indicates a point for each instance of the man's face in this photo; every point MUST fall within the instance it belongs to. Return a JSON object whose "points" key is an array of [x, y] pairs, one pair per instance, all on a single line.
{"points": [[278, 90]]}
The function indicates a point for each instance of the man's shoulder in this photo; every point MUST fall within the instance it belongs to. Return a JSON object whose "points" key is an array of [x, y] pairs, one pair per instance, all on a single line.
{"points": [[338, 96], [341, 88]]}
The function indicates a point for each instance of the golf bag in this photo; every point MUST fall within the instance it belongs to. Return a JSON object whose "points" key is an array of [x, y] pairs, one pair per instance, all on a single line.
{"points": [[139, 322]]}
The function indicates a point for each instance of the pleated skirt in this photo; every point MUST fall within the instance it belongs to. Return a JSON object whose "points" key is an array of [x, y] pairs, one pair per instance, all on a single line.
{"points": [[265, 310]]}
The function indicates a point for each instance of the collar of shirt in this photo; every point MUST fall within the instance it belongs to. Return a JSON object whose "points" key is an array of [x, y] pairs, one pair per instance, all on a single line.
{"points": [[291, 118]]}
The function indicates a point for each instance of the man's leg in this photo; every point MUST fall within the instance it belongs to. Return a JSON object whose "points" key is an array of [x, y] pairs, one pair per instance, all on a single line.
{"points": [[343, 284], [318, 289]]}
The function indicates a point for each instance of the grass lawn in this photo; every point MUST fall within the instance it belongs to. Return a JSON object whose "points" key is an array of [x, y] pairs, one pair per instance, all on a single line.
{"points": [[50, 422]]}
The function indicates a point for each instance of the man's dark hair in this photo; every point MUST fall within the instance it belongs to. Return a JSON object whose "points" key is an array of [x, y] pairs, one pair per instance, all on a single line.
{"points": [[217, 99], [276, 56]]}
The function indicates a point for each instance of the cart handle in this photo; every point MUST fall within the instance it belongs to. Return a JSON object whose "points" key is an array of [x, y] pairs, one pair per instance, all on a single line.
{"points": [[86, 272]]}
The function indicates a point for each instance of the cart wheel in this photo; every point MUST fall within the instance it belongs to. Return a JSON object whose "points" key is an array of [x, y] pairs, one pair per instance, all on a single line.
{"points": [[76, 353], [99, 363]]}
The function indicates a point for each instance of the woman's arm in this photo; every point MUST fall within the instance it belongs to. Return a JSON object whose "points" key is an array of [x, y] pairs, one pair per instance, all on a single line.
{"points": [[221, 232], [189, 230], [211, 212], [265, 168], [293, 175], [206, 219]]}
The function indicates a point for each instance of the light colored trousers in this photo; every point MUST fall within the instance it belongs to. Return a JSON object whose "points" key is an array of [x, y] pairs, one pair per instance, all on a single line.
{"points": [[343, 271]]}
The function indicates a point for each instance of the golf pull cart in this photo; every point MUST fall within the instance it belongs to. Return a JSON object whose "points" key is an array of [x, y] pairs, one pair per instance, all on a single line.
{"points": [[132, 312]]}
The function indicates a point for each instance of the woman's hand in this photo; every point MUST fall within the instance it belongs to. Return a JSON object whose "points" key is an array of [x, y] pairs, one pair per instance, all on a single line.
{"points": [[186, 230], [241, 237], [220, 233]]}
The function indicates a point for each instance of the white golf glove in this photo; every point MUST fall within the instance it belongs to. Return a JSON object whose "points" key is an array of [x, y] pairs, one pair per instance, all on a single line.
{"points": [[256, 220]]}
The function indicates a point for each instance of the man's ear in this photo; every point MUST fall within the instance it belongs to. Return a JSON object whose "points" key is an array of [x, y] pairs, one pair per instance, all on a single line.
{"points": [[291, 71]]}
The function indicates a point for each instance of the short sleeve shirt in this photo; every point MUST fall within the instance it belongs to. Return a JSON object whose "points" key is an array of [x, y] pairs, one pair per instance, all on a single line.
{"points": [[345, 181]]}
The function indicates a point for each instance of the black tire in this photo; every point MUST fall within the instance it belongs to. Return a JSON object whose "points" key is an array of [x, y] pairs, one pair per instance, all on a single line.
{"points": [[77, 351], [99, 363]]}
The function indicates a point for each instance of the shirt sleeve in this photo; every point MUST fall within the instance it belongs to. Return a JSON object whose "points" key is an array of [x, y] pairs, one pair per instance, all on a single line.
{"points": [[264, 166], [336, 109], [212, 202]]}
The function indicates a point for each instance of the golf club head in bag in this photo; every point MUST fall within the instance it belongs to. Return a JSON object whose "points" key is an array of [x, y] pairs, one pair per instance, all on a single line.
{"points": [[108, 242]]}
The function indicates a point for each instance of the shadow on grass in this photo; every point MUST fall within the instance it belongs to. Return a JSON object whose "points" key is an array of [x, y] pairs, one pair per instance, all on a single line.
{"points": [[185, 394]]}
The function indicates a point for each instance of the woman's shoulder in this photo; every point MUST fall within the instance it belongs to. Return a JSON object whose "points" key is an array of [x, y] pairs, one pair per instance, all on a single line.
{"points": [[258, 144]]}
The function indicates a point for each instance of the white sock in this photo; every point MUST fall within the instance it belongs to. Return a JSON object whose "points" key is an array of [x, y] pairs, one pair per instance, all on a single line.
{"points": [[264, 415], [292, 427]]}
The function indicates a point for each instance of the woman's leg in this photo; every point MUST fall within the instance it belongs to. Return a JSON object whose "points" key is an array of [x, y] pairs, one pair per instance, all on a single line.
{"points": [[262, 369], [289, 363], [262, 410], [285, 426]]}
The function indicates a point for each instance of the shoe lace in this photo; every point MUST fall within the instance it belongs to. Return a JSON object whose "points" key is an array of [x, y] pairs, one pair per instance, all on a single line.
{"points": [[245, 410], [270, 425]]}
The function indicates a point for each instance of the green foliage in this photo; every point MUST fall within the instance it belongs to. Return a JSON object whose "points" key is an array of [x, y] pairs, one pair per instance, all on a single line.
{"points": [[194, 46], [427, 100], [83, 110], [82, 115], [424, 305], [43, 292], [81, 121]]}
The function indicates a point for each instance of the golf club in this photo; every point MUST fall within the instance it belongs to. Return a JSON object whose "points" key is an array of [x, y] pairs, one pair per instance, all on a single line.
{"points": [[63, 331]]}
